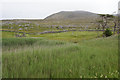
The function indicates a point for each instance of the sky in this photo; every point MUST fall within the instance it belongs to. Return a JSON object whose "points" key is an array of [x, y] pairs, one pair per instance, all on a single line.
{"points": [[39, 9]]}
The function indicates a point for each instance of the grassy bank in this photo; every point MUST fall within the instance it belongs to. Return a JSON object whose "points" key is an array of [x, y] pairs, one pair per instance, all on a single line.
{"points": [[41, 58]]}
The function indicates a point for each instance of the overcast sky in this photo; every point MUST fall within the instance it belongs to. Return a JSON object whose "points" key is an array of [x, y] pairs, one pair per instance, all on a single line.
{"points": [[39, 9]]}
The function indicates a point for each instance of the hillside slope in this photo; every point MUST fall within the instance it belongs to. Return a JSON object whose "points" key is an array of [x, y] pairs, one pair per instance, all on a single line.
{"points": [[74, 16]]}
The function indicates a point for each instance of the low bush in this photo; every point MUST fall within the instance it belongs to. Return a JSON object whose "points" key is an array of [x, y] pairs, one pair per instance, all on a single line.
{"points": [[107, 32]]}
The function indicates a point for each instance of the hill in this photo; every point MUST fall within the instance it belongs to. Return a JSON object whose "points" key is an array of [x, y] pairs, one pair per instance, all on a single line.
{"points": [[73, 16]]}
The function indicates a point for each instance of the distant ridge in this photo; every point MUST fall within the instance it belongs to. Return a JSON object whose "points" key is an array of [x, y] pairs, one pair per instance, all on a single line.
{"points": [[72, 16]]}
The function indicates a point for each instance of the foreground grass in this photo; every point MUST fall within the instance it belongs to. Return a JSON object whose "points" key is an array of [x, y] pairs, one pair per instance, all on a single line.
{"points": [[40, 58]]}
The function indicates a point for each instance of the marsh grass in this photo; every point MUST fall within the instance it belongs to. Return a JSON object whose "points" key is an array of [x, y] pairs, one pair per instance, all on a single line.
{"points": [[41, 58]]}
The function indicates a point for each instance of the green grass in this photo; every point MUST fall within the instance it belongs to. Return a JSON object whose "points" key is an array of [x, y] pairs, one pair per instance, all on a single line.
{"points": [[73, 36], [93, 58], [6, 34]]}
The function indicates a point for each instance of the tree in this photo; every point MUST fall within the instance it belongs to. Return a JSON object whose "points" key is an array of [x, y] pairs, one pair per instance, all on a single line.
{"points": [[118, 23], [103, 21], [114, 21], [106, 18], [115, 24]]}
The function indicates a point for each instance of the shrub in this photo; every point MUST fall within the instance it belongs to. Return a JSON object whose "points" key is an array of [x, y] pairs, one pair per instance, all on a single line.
{"points": [[107, 32]]}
